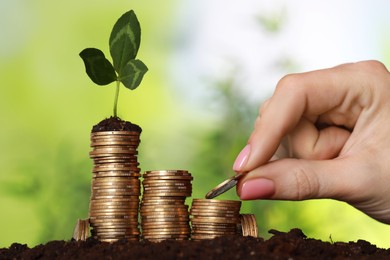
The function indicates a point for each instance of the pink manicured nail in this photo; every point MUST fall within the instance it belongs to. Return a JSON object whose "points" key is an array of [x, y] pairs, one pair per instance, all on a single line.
{"points": [[242, 158], [257, 189]]}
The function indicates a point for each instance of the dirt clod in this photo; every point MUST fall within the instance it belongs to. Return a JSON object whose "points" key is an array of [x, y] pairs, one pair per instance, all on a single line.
{"points": [[115, 124]]}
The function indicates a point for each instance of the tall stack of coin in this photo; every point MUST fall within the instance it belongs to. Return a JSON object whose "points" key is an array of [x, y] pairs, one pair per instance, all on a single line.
{"points": [[164, 214], [248, 225], [113, 210], [213, 218]]}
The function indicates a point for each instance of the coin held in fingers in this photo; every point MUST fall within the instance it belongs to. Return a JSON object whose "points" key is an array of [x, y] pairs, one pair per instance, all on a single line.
{"points": [[224, 186]]}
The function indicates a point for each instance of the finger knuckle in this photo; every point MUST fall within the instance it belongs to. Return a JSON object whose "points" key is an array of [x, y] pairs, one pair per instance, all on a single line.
{"points": [[371, 65], [288, 81], [307, 185]]}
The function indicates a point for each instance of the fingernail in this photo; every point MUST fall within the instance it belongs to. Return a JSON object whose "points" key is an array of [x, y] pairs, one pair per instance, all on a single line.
{"points": [[257, 189], [242, 158]]}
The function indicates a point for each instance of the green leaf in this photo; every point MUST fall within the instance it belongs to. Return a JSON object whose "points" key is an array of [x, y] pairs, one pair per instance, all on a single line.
{"points": [[125, 39], [132, 74], [98, 68]]}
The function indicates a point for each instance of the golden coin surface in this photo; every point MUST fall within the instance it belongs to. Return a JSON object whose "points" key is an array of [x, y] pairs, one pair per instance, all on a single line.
{"points": [[214, 201], [109, 133], [132, 174]]}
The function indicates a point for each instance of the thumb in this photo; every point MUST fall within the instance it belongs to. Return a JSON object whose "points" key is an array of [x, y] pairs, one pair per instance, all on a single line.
{"points": [[294, 179]]}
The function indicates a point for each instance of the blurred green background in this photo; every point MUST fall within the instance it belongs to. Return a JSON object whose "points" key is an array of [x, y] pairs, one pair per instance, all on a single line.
{"points": [[210, 67]]}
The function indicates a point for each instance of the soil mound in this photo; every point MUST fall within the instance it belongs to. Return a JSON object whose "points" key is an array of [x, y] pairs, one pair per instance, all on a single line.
{"points": [[290, 245], [115, 124]]}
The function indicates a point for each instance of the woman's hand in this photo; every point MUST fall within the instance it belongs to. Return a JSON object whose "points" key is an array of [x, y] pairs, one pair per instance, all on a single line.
{"points": [[335, 124]]}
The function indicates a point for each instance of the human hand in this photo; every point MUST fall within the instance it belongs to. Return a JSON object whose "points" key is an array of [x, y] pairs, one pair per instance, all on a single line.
{"points": [[336, 123]]}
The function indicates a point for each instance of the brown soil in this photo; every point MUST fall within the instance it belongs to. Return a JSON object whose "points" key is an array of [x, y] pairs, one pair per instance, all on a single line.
{"points": [[290, 245], [115, 124]]}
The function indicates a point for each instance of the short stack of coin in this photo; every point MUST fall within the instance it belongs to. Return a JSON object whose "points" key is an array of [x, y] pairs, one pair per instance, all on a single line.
{"points": [[114, 203], [248, 225], [214, 218], [164, 214]]}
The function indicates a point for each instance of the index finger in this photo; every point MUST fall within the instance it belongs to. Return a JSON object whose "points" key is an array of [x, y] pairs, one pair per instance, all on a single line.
{"points": [[334, 92]]}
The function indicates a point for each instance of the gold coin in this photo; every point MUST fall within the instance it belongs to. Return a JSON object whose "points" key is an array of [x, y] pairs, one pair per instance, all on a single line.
{"points": [[169, 194], [213, 232], [167, 188], [167, 182], [109, 189], [164, 207], [228, 210], [132, 205], [156, 190], [165, 225], [213, 214], [109, 152], [165, 237], [120, 171], [125, 137], [109, 133], [163, 200], [214, 201], [113, 206], [112, 215], [130, 174], [116, 165], [113, 149], [215, 208], [166, 172], [98, 154], [115, 229], [104, 225], [116, 186], [129, 222], [114, 238], [162, 219], [111, 137], [102, 161], [153, 214], [156, 175], [162, 233], [132, 198], [102, 195], [102, 142], [113, 209], [117, 157], [152, 204], [168, 228], [112, 199], [119, 167], [162, 210], [115, 142], [215, 220], [203, 237], [116, 233], [195, 211], [95, 210]]}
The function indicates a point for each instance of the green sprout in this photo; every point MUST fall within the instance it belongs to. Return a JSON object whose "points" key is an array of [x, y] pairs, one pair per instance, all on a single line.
{"points": [[124, 43]]}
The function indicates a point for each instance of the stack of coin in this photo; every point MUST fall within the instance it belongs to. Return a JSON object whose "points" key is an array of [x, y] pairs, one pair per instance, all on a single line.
{"points": [[213, 218], [248, 225], [113, 210], [164, 214]]}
